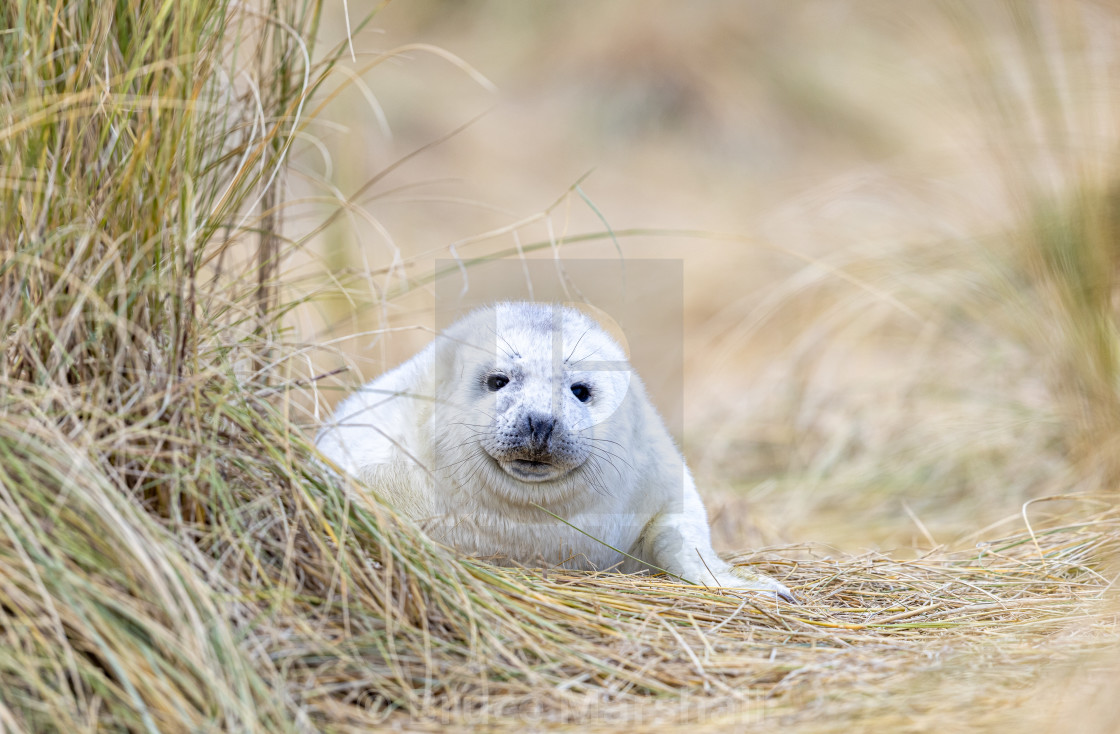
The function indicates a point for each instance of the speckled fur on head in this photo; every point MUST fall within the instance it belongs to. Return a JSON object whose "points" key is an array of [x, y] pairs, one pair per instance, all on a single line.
{"points": [[536, 386]]}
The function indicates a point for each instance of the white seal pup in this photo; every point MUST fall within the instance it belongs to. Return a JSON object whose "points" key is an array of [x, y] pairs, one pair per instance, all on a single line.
{"points": [[521, 435]]}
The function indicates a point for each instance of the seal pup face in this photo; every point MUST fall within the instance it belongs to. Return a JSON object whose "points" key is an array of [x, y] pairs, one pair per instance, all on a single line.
{"points": [[540, 387]]}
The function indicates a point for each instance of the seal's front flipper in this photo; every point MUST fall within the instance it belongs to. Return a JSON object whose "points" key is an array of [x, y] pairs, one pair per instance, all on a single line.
{"points": [[679, 543], [739, 577]]}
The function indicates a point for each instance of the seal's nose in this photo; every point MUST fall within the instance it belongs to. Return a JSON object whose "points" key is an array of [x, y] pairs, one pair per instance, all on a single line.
{"points": [[540, 428]]}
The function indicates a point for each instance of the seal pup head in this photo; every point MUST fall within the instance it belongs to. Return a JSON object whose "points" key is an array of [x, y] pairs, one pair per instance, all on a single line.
{"points": [[536, 390]]}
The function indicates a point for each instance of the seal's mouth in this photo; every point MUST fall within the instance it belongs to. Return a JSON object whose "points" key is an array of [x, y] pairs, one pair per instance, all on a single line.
{"points": [[529, 470], [529, 465]]}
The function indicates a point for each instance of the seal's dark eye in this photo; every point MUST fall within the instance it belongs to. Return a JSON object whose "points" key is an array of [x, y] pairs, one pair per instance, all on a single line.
{"points": [[496, 382], [582, 392]]}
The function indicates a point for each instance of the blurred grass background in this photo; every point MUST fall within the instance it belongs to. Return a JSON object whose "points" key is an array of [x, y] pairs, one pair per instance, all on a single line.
{"points": [[911, 330], [898, 229]]}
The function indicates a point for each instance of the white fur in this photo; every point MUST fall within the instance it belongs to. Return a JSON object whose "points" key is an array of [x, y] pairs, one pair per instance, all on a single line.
{"points": [[437, 442]]}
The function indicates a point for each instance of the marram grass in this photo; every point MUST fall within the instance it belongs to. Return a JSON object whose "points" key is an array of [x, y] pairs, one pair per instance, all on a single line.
{"points": [[172, 558]]}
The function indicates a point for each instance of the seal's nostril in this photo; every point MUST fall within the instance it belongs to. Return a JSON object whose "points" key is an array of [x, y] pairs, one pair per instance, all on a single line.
{"points": [[540, 427]]}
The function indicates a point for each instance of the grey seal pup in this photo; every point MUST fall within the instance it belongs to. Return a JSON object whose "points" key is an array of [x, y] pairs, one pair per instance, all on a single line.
{"points": [[521, 435]]}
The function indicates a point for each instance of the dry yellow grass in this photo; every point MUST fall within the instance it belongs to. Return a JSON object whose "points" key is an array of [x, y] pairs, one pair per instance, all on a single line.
{"points": [[872, 366], [947, 641]]}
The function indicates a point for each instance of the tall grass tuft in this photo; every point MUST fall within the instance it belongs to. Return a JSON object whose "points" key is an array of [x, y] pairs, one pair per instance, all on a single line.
{"points": [[1047, 100], [140, 145], [1072, 252]]}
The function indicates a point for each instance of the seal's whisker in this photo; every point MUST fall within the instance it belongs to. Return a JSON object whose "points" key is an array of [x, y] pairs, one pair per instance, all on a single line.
{"points": [[600, 439], [585, 333], [475, 429], [613, 455], [457, 463], [598, 481], [464, 469], [604, 458], [583, 359], [512, 353], [485, 414]]}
